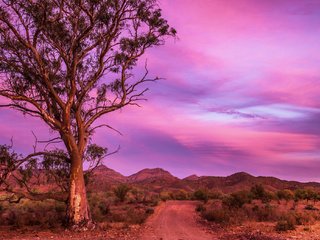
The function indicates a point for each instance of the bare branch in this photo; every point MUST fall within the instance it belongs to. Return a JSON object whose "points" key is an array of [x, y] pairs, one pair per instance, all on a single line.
{"points": [[105, 125]]}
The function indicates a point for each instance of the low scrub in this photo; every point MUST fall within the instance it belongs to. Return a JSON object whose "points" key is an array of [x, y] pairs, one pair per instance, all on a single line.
{"points": [[221, 216], [233, 210], [28, 213], [284, 225]]}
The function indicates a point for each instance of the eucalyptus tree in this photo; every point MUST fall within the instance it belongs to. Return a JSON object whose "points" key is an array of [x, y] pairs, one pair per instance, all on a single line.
{"points": [[70, 62]]}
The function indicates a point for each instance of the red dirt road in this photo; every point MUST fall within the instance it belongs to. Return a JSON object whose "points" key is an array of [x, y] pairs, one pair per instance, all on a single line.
{"points": [[175, 220]]}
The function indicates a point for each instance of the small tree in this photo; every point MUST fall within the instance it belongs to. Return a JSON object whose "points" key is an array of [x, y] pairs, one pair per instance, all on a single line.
{"points": [[300, 194], [237, 199], [201, 194], [70, 62], [20, 177], [121, 192], [258, 192], [285, 195]]}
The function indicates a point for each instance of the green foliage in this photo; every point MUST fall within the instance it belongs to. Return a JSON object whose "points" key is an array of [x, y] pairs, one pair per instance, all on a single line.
{"points": [[28, 213], [286, 224], [221, 216], [306, 194], [215, 195], [53, 55], [121, 192], [179, 195], [299, 194], [138, 195], [258, 192], [237, 200], [201, 194], [94, 153], [285, 195], [264, 213]]}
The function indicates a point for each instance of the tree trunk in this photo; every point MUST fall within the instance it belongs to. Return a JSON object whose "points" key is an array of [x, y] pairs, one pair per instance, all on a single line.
{"points": [[78, 212]]}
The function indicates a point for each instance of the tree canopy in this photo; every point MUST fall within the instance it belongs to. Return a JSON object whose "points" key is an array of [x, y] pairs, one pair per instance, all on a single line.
{"points": [[70, 62]]}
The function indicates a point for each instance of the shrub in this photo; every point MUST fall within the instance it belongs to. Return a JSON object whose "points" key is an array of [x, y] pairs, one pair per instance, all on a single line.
{"points": [[137, 195], [215, 195], [129, 214], [104, 208], [121, 192], [304, 218], [284, 195], [286, 223], [258, 192], [201, 194], [30, 213], [300, 194], [200, 208], [237, 200], [164, 196], [149, 210], [221, 216], [264, 213], [135, 216], [179, 195]]}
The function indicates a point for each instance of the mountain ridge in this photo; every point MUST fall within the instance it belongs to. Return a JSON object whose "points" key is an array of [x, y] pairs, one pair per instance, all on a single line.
{"points": [[159, 179]]}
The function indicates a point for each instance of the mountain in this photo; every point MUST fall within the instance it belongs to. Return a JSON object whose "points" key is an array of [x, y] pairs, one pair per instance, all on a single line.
{"points": [[158, 180], [104, 178], [155, 175], [193, 177]]}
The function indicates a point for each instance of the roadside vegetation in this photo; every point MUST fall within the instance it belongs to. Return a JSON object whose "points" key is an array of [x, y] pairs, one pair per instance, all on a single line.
{"points": [[122, 205], [281, 211], [128, 205]]}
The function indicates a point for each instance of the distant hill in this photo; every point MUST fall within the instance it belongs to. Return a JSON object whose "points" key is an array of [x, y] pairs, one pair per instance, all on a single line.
{"points": [[158, 179], [155, 175], [104, 178]]}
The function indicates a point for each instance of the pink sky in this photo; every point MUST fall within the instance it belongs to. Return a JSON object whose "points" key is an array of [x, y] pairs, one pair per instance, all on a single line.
{"points": [[241, 93]]}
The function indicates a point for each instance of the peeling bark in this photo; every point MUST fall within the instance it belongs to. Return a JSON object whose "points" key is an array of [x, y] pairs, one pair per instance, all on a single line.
{"points": [[78, 212]]}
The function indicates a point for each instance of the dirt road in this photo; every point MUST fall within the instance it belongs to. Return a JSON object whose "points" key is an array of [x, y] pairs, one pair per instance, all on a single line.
{"points": [[175, 220]]}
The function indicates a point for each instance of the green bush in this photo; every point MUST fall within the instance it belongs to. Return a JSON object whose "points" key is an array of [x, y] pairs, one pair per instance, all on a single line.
{"points": [[304, 218], [258, 192], [237, 200], [215, 195], [179, 195], [30, 213], [264, 213], [201, 194], [121, 192], [286, 223], [284, 195], [221, 216], [200, 208]]}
